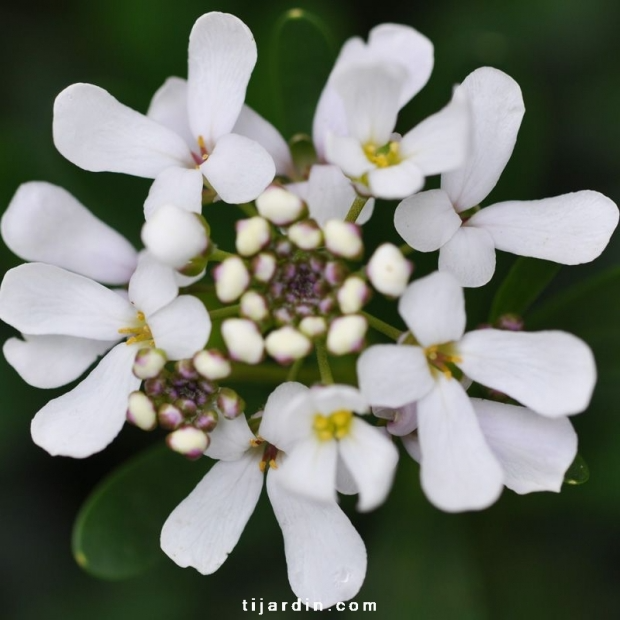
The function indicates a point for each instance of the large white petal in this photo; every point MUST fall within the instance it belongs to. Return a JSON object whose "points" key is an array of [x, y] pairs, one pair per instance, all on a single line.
{"points": [[434, 309], [222, 54], [534, 451], [51, 361], [152, 286], [371, 458], [86, 419], [205, 527], [330, 398], [230, 439], [181, 187], [427, 220], [325, 556], [347, 153], [570, 229], [181, 328], [98, 133], [238, 169], [551, 372], [45, 223], [397, 181], [497, 109], [458, 470], [330, 117], [41, 299], [469, 256], [169, 108], [393, 375]]}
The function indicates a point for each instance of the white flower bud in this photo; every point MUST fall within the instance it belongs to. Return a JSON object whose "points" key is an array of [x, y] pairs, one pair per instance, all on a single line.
{"points": [[352, 295], [141, 411], [243, 340], [169, 416], [231, 279], [279, 205], [188, 441], [230, 403], [306, 235], [253, 235], [175, 236], [343, 238], [212, 364], [388, 270], [264, 266], [313, 326], [287, 344], [254, 306], [346, 334], [149, 363]]}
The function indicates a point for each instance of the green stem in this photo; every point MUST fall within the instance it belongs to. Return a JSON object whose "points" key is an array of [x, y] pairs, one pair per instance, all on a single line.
{"points": [[218, 255], [356, 208], [223, 313], [294, 369], [248, 208], [381, 326], [323, 362], [406, 249]]}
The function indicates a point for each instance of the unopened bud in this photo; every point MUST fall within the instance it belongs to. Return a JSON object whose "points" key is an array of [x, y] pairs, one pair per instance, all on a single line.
{"points": [[206, 421], [306, 235], [254, 306], [346, 334], [510, 322], [335, 272], [141, 411], [388, 270], [231, 279], [169, 416], [313, 326], [352, 295], [343, 238], [230, 403], [264, 266], [148, 363], [279, 206], [188, 441], [212, 364], [253, 235], [243, 340], [287, 344], [185, 369]]}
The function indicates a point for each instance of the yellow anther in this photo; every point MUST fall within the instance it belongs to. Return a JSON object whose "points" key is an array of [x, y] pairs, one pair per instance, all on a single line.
{"points": [[262, 466], [440, 357], [141, 316], [383, 156], [254, 443], [273, 464], [139, 333], [335, 426]]}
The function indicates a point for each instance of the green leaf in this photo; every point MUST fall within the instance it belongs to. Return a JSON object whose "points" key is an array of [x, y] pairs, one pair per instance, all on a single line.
{"points": [[527, 279], [116, 533], [578, 472], [302, 55]]}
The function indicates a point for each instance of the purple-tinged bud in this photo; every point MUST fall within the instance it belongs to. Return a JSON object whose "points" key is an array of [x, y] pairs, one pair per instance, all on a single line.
{"points": [[335, 272], [188, 441], [510, 322], [186, 405], [213, 365], [327, 305], [343, 238], [141, 411], [253, 235], [284, 248], [149, 362], [287, 344], [169, 416], [230, 403], [346, 334], [306, 235], [231, 279], [185, 369], [155, 386], [264, 266], [282, 315], [206, 421], [279, 205]]}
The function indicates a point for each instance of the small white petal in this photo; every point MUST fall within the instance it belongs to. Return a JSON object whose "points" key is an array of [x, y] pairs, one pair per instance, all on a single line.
{"points": [[243, 340], [434, 309], [169, 108], [347, 153], [396, 181], [152, 285], [230, 439], [551, 372], [86, 419], [181, 187]]}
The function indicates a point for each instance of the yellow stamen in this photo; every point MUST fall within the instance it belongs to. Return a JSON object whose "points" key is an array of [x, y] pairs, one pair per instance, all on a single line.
{"points": [[383, 156], [335, 426], [440, 356], [139, 333]]}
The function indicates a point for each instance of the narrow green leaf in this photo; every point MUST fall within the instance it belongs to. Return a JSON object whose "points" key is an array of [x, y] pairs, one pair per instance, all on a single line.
{"points": [[578, 472], [116, 533], [524, 283]]}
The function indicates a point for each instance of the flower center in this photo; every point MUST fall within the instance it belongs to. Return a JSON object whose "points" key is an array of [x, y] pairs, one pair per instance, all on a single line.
{"points": [[443, 358], [383, 156], [138, 333], [203, 155], [334, 426]]}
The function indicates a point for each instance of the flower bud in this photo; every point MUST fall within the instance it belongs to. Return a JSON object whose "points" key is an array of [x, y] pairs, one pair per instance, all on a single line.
{"points": [[188, 441], [264, 266], [388, 270], [254, 306], [253, 235], [141, 411], [343, 238], [313, 326], [279, 206], [287, 344], [149, 362], [212, 364], [352, 295], [231, 279], [243, 340], [206, 421], [230, 403], [335, 272], [346, 334], [169, 416], [510, 322], [184, 369], [306, 235]]}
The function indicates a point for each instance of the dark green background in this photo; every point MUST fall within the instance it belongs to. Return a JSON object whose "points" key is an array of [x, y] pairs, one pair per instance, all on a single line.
{"points": [[538, 556]]}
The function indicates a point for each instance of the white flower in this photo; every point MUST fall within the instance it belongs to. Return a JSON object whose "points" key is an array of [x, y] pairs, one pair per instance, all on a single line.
{"points": [[187, 131], [325, 556], [329, 448], [550, 372], [51, 304], [569, 229]]}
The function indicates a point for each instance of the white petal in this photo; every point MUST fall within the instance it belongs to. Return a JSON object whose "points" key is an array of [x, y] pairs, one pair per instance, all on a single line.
{"points": [[330, 117], [86, 419], [51, 361], [393, 375], [427, 220], [169, 108], [345, 483], [152, 286], [222, 54], [252, 125], [41, 299], [239, 169], [551, 372], [181, 328], [205, 527], [98, 133], [330, 398], [396, 181], [441, 141], [325, 556], [230, 439], [371, 457], [181, 187], [458, 470], [534, 451], [497, 109], [434, 309], [347, 154], [469, 256], [45, 223], [570, 229]]}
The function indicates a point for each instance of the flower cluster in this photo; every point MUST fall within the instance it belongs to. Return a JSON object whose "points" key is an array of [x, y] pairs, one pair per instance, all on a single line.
{"points": [[176, 319]]}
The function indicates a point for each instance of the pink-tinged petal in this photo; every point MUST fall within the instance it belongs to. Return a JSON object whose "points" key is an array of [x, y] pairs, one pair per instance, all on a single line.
{"points": [[98, 133], [152, 286], [205, 527], [181, 328], [230, 439], [393, 375], [570, 229], [51, 361], [45, 223], [469, 256], [458, 469], [427, 220], [394, 182], [551, 372], [239, 169], [434, 309], [534, 451], [347, 153], [181, 187], [325, 556], [86, 419], [168, 107], [497, 109], [222, 54], [440, 142], [401, 420], [252, 125], [41, 299], [371, 457]]}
